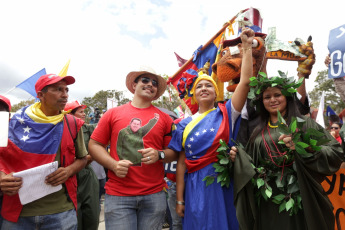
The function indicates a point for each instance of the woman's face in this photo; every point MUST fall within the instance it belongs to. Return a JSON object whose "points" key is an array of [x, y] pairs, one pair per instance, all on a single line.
{"points": [[80, 113], [205, 92], [274, 100]]}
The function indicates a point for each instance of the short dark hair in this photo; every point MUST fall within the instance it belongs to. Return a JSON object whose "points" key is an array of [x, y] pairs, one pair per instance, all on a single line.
{"points": [[4, 107], [133, 119]]}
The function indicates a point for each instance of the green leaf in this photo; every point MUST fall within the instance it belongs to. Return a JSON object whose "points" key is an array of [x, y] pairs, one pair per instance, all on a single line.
{"points": [[279, 197], [219, 169], [221, 148], [282, 206], [293, 126], [316, 148], [289, 204], [291, 179], [302, 151], [224, 161], [292, 188], [312, 141], [302, 144], [260, 182], [209, 180], [268, 191]]}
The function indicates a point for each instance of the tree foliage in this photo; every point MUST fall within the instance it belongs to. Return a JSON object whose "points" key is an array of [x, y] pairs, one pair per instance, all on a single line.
{"points": [[99, 100], [323, 83], [22, 104]]}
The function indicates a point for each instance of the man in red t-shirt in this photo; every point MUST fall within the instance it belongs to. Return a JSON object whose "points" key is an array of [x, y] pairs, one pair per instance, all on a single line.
{"points": [[134, 192]]}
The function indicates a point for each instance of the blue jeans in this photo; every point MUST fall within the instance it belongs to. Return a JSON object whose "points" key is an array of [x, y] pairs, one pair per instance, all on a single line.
{"points": [[176, 219], [58, 221], [135, 212]]}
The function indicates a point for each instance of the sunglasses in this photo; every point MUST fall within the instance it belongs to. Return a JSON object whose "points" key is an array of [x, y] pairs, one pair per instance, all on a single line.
{"points": [[146, 80], [335, 128]]}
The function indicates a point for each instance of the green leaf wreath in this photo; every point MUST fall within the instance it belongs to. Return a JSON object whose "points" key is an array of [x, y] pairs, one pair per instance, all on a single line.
{"points": [[286, 182], [222, 166]]}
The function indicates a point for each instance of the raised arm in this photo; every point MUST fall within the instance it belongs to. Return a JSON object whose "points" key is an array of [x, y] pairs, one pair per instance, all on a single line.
{"points": [[240, 95]]}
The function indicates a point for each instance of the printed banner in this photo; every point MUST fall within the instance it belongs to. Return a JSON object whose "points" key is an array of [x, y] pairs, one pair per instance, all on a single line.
{"points": [[334, 187], [336, 49]]}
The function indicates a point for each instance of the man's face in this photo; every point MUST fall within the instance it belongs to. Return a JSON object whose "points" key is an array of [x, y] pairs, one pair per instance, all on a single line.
{"points": [[135, 125], [144, 88], [55, 99]]}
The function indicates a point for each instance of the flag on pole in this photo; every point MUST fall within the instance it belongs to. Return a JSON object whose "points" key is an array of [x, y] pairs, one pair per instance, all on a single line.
{"points": [[29, 84], [180, 61], [210, 52], [319, 116], [63, 72], [111, 103], [330, 111]]}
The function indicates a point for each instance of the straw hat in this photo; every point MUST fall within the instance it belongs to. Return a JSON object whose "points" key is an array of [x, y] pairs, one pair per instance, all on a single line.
{"points": [[162, 84]]}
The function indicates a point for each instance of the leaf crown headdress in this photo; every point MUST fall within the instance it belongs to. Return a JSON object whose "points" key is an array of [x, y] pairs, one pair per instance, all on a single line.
{"points": [[259, 84]]}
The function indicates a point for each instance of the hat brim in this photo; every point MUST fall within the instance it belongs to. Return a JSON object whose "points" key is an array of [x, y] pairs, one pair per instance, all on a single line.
{"points": [[233, 42], [162, 84]]}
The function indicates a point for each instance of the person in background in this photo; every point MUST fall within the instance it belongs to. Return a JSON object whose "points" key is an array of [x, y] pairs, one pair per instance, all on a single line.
{"points": [[5, 105], [88, 185], [339, 83], [39, 134], [134, 197], [335, 128]]}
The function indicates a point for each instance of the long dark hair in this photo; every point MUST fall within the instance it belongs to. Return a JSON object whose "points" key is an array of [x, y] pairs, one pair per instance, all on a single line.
{"points": [[292, 110]]}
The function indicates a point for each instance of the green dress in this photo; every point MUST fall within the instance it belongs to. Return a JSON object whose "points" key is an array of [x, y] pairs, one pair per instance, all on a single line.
{"points": [[306, 175]]}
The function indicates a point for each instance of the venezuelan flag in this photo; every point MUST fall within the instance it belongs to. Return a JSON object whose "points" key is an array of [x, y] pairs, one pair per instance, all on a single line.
{"points": [[31, 141]]}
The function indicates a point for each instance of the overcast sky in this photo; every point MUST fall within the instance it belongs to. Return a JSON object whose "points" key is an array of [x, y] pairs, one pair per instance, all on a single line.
{"points": [[105, 40]]}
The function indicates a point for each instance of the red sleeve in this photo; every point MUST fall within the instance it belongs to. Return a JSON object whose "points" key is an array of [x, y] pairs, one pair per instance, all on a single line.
{"points": [[103, 129]]}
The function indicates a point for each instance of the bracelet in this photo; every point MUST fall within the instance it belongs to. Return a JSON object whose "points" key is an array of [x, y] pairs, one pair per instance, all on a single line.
{"points": [[244, 49], [180, 202]]}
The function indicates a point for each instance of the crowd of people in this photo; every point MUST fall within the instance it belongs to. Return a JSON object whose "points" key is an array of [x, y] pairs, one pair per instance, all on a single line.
{"points": [[273, 181]]}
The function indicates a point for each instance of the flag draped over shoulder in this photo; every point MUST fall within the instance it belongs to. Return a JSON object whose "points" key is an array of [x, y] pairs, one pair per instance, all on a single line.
{"points": [[31, 143]]}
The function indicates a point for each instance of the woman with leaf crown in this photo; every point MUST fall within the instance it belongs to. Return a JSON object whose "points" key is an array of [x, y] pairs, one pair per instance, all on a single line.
{"points": [[291, 155], [204, 204]]}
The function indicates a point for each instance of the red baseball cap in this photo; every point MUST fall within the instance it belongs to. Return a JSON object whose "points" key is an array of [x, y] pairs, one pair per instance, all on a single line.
{"points": [[50, 79], [72, 105], [7, 101]]}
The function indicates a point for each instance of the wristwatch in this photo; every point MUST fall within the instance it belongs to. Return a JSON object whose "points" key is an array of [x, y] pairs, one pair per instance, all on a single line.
{"points": [[161, 154]]}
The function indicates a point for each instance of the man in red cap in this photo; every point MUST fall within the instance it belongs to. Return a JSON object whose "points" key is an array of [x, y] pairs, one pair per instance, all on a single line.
{"points": [[39, 134], [134, 197]]}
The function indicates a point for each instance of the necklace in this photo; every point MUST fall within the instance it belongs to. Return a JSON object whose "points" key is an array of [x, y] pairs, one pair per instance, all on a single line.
{"points": [[272, 126]]}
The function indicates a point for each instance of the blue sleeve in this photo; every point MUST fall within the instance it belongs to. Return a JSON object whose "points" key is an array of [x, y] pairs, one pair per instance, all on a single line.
{"points": [[177, 135]]}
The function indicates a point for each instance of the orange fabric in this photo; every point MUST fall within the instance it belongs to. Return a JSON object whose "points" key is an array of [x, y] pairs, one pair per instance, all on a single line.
{"points": [[334, 186]]}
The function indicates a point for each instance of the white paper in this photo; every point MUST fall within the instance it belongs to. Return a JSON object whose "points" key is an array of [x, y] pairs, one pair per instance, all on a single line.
{"points": [[34, 187], [4, 120]]}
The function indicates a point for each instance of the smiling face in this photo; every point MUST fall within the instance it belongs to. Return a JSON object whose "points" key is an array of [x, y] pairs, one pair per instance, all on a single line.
{"points": [[205, 92], [274, 100], [135, 125], [144, 88], [54, 99]]}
